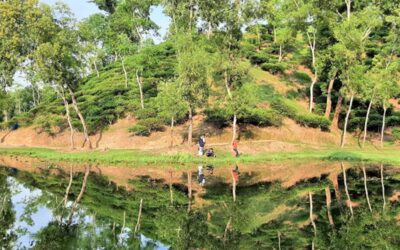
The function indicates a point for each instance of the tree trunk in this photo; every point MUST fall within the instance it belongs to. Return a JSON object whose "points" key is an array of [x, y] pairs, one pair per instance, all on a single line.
{"points": [[190, 132], [280, 53], [189, 180], [366, 123], [85, 131], [366, 189], [347, 190], [347, 121], [383, 124], [348, 5], [228, 89], [338, 109], [383, 188], [311, 214], [233, 188], [78, 199], [95, 68], [234, 128], [314, 81], [68, 187], [139, 82], [125, 72], [69, 120], [171, 193], [5, 115], [328, 205], [137, 227], [172, 132], [329, 98]]}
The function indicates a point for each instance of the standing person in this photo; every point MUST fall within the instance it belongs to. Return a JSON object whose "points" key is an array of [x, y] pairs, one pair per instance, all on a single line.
{"points": [[201, 178], [202, 143], [235, 149]]}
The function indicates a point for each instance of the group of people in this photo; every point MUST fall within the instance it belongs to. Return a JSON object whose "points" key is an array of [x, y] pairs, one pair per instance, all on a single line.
{"points": [[210, 151]]}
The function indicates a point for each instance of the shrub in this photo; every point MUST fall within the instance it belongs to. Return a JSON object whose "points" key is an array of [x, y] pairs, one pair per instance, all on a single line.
{"points": [[274, 68], [396, 133], [313, 121], [146, 126], [263, 117], [139, 130], [146, 113], [47, 123], [217, 116], [289, 109], [258, 58], [302, 77]]}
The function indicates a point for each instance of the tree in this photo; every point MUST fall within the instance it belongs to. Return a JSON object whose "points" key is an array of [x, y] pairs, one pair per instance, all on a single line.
{"points": [[58, 64], [170, 104]]}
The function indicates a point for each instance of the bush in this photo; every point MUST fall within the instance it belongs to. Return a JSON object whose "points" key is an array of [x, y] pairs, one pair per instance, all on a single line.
{"points": [[289, 109], [274, 68], [258, 58], [313, 121], [139, 130], [146, 113], [302, 77], [217, 116], [146, 126], [396, 134], [263, 117], [47, 123]]}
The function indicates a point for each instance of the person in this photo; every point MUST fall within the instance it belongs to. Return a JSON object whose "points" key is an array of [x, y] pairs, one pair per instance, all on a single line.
{"points": [[202, 143], [201, 178], [210, 169], [210, 153], [235, 148]]}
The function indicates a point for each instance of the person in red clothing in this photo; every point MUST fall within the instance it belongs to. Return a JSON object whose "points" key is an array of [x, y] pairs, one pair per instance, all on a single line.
{"points": [[235, 148]]}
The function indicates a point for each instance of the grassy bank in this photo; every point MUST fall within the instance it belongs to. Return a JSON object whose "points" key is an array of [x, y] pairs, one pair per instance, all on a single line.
{"points": [[133, 158]]}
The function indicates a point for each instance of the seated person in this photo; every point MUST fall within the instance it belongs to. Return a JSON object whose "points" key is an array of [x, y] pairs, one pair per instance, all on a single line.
{"points": [[210, 153]]}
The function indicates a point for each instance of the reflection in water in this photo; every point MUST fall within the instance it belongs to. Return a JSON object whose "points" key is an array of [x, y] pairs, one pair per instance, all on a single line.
{"points": [[55, 208]]}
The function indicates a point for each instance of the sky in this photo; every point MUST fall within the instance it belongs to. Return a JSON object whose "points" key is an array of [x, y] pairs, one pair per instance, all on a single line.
{"points": [[84, 8]]}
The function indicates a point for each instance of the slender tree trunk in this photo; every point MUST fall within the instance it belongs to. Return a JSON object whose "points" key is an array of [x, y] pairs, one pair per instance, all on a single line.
{"points": [[209, 31], [366, 189], [383, 124], [234, 128], [329, 98], [68, 187], [348, 5], [172, 132], [190, 132], [137, 227], [347, 190], [338, 109], [69, 120], [347, 121], [366, 123], [171, 193], [328, 205], [78, 199], [280, 53], [125, 72], [228, 89], [85, 131], [95, 68], [189, 180], [383, 188], [139, 82], [233, 188], [314, 81], [227, 228], [279, 240], [311, 214], [5, 115]]}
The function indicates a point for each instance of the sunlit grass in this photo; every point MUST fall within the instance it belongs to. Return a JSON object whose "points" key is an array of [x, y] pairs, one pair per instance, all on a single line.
{"points": [[133, 158]]}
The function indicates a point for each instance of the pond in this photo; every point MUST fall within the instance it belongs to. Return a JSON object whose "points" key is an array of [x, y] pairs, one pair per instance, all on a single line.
{"points": [[325, 205]]}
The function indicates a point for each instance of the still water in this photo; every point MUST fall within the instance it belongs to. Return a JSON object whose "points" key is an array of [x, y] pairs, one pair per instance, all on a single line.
{"points": [[325, 205]]}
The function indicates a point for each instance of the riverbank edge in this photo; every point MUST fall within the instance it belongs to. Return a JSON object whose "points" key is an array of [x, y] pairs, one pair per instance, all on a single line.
{"points": [[136, 158]]}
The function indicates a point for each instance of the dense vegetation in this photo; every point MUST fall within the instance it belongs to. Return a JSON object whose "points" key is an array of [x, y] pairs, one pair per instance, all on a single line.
{"points": [[340, 56]]}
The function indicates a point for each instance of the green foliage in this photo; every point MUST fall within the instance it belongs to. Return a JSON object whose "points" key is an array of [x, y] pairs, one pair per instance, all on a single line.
{"points": [[274, 67], [146, 126], [262, 117], [292, 110], [302, 77], [396, 133]]}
